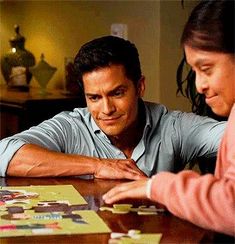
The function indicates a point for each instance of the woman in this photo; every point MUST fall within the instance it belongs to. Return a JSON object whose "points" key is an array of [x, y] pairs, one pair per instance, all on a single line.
{"points": [[209, 200]]}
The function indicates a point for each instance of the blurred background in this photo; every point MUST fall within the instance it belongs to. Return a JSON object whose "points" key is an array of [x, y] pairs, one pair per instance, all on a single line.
{"points": [[59, 28]]}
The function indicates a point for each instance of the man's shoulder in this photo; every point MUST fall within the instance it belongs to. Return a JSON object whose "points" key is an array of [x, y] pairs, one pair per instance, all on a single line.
{"points": [[74, 117], [83, 112], [159, 112], [75, 113], [155, 108]]}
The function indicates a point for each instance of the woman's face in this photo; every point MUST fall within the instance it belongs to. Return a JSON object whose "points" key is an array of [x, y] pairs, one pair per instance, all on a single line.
{"points": [[215, 78]]}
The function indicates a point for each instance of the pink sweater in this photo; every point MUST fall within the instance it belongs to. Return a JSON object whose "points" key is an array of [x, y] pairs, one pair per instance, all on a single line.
{"points": [[209, 200]]}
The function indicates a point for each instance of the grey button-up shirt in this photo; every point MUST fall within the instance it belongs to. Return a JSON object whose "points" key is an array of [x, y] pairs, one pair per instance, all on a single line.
{"points": [[170, 138]]}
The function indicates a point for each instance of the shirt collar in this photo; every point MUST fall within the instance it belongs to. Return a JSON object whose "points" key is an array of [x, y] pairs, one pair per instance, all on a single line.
{"points": [[94, 126]]}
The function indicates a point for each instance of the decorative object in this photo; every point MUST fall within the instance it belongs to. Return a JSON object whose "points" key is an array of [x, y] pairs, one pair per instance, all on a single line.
{"points": [[15, 64], [68, 68], [43, 73], [72, 86]]}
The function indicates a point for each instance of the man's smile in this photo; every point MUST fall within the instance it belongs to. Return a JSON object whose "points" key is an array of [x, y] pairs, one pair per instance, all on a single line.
{"points": [[109, 120]]}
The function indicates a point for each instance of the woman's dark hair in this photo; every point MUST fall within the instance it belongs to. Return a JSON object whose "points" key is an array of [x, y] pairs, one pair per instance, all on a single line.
{"points": [[210, 27], [106, 51]]}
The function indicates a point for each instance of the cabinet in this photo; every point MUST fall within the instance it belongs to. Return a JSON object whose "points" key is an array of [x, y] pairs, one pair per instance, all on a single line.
{"points": [[20, 110]]}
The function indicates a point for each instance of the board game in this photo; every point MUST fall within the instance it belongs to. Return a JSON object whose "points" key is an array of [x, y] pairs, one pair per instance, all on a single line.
{"points": [[46, 210]]}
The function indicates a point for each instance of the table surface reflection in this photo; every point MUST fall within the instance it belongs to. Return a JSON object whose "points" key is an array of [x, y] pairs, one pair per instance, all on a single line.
{"points": [[173, 229]]}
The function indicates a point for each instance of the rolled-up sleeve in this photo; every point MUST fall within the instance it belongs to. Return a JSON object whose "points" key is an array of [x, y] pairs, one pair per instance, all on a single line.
{"points": [[8, 147]]}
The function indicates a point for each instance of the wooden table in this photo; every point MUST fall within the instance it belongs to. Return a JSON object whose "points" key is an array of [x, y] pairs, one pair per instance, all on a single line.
{"points": [[174, 230]]}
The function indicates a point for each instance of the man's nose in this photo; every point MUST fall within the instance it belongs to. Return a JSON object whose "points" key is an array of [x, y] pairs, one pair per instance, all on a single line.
{"points": [[201, 84], [108, 106]]}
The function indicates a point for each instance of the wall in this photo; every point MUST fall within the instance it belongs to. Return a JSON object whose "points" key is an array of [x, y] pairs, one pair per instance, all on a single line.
{"points": [[172, 18], [59, 28]]}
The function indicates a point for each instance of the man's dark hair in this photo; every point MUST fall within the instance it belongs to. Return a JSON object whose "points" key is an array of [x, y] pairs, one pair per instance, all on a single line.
{"points": [[106, 51]]}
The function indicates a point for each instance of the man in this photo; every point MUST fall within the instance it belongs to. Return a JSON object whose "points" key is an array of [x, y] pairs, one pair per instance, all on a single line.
{"points": [[117, 135]]}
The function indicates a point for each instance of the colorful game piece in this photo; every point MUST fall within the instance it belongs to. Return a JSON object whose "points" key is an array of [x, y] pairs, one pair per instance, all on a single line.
{"points": [[134, 237], [126, 208]]}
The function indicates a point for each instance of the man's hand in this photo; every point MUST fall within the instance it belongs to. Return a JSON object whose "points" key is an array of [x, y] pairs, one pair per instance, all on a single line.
{"points": [[135, 189], [118, 169]]}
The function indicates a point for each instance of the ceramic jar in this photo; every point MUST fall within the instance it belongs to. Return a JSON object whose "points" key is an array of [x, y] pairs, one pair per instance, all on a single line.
{"points": [[15, 64]]}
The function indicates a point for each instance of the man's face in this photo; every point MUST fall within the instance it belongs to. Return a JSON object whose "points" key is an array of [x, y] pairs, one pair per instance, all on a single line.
{"points": [[215, 78], [112, 99]]}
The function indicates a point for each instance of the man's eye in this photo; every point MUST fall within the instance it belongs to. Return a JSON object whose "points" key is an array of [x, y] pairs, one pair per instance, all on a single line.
{"points": [[93, 98], [118, 93]]}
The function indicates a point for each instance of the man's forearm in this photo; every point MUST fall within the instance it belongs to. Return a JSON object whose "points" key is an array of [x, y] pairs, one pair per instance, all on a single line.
{"points": [[34, 161]]}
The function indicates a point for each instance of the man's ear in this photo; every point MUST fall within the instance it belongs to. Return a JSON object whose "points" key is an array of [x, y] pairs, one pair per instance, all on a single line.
{"points": [[141, 86]]}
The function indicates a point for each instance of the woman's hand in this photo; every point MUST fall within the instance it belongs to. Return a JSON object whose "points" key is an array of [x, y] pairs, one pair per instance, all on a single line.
{"points": [[135, 189]]}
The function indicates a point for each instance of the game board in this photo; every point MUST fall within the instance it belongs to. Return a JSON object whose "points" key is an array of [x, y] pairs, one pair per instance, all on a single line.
{"points": [[46, 210]]}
